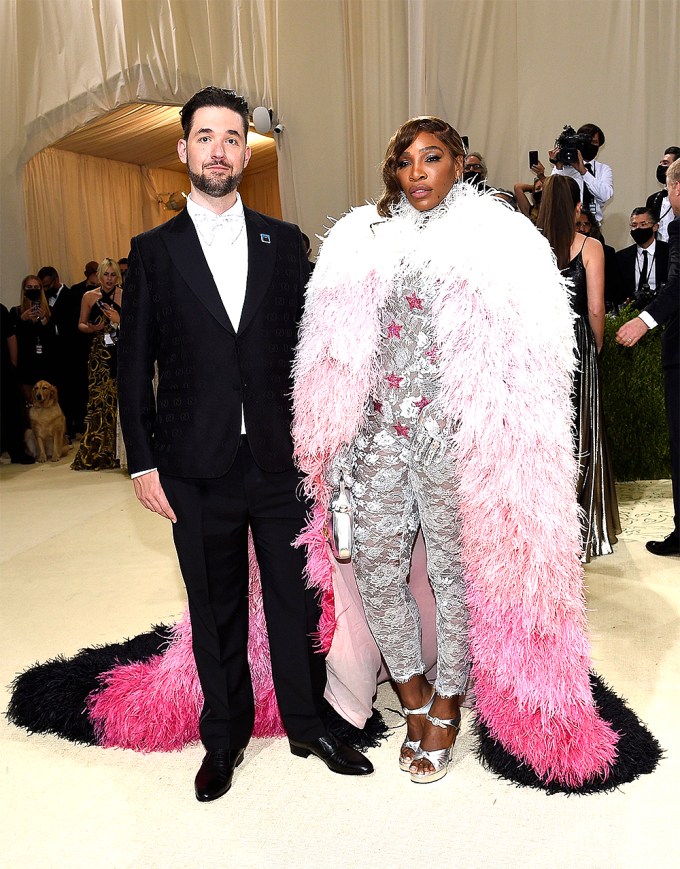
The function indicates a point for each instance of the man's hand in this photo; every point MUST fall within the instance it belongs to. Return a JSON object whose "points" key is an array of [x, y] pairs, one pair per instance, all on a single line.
{"points": [[631, 332], [552, 154], [150, 492]]}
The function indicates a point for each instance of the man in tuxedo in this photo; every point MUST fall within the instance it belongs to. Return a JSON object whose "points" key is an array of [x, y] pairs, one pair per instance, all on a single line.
{"points": [[65, 312], [82, 347], [643, 265], [213, 297], [658, 202], [91, 281], [665, 308]]}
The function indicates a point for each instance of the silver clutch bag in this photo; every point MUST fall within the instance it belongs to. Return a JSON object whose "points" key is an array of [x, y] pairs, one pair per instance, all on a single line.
{"points": [[340, 523]]}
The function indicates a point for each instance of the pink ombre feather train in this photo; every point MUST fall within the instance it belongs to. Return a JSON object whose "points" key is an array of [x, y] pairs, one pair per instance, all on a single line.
{"points": [[154, 705]]}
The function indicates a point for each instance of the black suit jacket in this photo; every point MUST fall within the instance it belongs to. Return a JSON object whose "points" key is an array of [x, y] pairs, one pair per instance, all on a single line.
{"points": [[666, 306], [173, 315], [626, 259]]}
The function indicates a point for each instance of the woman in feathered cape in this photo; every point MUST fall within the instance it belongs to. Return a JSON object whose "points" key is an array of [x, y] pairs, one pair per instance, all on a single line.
{"points": [[503, 331]]}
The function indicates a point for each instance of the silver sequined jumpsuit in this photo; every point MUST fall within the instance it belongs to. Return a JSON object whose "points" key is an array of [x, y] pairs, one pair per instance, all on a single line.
{"points": [[394, 495]]}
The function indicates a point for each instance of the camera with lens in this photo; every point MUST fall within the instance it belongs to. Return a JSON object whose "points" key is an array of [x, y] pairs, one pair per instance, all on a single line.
{"points": [[570, 142]]}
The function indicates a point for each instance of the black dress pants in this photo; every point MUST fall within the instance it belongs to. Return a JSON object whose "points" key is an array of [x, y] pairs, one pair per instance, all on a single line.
{"points": [[211, 538], [671, 376]]}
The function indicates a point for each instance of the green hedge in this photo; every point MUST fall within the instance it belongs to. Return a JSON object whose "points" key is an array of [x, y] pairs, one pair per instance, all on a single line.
{"points": [[632, 389]]}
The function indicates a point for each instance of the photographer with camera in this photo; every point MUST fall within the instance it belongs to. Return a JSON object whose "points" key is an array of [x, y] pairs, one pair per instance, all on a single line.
{"points": [[643, 265], [574, 155]]}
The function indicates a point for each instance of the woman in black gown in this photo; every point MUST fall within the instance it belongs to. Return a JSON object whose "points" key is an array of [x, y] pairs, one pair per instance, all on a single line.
{"points": [[581, 259]]}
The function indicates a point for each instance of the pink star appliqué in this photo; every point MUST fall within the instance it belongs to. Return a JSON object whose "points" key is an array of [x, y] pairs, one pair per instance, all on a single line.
{"points": [[377, 406], [393, 380], [432, 354], [401, 430], [422, 403], [394, 330], [414, 302]]}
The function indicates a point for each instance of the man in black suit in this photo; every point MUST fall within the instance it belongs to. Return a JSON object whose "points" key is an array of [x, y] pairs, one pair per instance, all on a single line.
{"points": [[82, 351], [214, 297], [659, 202], [665, 308], [65, 312], [644, 265]]}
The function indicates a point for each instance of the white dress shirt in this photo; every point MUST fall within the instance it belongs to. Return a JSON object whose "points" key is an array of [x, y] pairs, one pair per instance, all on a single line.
{"points": [[600, 183], [651, 265], [665, 217], [224, 243]]}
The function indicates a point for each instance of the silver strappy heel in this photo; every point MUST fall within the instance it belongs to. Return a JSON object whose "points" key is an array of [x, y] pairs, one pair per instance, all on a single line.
{"points": [[438, 757], [414, 745]]}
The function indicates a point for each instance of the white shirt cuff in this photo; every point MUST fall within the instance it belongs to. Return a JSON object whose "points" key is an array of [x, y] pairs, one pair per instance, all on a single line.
{"points": [[141, 473], [647, 319]]}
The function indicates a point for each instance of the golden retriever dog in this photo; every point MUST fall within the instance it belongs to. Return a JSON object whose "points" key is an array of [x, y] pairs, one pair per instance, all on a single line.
{"points": [[46, 436]]}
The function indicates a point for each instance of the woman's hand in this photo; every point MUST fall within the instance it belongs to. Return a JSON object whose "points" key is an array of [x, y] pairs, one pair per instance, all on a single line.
{"points": [[538, 169], [111, 313], [430, 441], [32, 314], [341, 468]]}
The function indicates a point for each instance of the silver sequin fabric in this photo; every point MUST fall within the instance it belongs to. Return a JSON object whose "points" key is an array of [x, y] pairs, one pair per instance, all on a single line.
{"points": [[394, 495]]}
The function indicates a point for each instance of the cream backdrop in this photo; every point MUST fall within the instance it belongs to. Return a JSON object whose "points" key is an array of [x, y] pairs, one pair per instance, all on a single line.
{"points": [[341, 76]]}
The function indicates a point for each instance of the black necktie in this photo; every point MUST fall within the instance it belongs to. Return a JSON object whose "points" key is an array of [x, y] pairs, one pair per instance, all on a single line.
{"points": [[587, 195], [643, 273]]}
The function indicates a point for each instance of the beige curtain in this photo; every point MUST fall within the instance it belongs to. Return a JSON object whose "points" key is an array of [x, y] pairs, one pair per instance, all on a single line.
{"points": [[341, 75], [260, 186], [80, 208]]}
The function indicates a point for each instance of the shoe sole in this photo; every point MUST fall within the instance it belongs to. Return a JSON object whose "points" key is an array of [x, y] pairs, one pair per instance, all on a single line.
{"points": [[430, 777]]}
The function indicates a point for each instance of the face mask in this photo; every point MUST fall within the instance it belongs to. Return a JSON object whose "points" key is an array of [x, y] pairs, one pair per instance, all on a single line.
{"points": [[661, 174], [32, 295], [589, 152], [473, 178], [642, 235]]}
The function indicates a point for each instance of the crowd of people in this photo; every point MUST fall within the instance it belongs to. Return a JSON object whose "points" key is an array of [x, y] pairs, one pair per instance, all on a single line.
{"points": [[445, 348], [66, 336]]}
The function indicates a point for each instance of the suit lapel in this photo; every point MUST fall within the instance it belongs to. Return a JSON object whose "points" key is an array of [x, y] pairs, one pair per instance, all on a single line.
{"points": [[185, 251], [262, 241]]}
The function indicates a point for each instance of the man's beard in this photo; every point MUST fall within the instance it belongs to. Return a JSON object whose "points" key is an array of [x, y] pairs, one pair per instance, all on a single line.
{"points": [[217, 185]]}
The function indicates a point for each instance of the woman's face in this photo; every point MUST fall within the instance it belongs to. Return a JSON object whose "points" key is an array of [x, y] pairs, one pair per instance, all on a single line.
{"points": [[426, 171], [109, 279], [32, 291]]}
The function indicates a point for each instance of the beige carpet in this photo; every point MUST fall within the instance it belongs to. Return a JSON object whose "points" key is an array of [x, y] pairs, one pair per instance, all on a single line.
{"points": [[82, 563]]}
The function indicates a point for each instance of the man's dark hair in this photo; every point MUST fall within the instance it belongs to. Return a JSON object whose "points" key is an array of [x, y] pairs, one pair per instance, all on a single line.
{"points": [[48, 272], [590, 130], [214, 96], [123, 261], [674, 150], [642, 209]]}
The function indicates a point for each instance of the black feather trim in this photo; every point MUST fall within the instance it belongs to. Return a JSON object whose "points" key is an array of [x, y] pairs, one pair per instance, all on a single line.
{"points": [[638, 750], [50, 697], [372, 734]]}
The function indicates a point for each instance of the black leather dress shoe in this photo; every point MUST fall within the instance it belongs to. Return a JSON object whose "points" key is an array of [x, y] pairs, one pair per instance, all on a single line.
{"points": [[669, 546], [214, 777], [337, 756]]}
